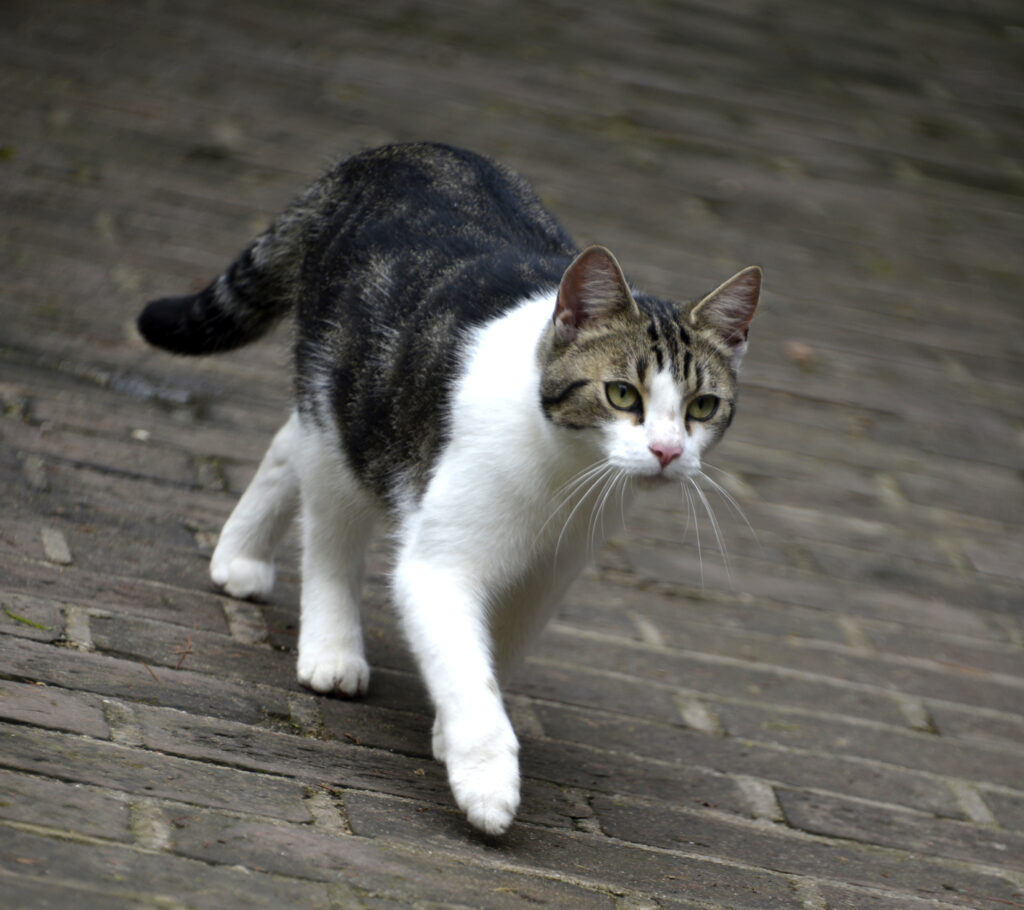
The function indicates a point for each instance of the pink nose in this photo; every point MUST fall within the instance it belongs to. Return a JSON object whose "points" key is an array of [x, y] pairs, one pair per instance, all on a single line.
{"points": [[665, 454]]}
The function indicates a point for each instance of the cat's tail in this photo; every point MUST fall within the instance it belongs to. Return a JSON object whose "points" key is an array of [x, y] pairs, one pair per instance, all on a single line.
{"points": [[243, 303]]}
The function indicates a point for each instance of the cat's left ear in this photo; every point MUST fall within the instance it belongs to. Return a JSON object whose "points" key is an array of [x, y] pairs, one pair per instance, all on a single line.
{"points": [[728, 309], [592, 288]]}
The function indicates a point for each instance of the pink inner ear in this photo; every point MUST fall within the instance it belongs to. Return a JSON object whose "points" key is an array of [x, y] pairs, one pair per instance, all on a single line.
{"points": [[593, 286]]}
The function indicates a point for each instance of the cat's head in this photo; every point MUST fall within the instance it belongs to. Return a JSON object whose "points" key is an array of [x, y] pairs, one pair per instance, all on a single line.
{"points": [[656, 380]]}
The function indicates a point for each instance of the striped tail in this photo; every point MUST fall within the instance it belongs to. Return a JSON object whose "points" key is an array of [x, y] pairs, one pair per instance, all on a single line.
{"points": [[241, 305]]}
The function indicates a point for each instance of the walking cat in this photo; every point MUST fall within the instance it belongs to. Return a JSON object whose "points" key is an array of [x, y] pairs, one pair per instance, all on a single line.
{"points": [[495, 396]]}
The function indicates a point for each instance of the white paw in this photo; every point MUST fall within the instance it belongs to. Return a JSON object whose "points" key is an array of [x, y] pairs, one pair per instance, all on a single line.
{"points": [[333, 671], [242, 577], [485, 781]]}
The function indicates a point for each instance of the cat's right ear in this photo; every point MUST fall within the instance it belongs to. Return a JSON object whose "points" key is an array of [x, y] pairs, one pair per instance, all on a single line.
{"points": [[592, 288]]}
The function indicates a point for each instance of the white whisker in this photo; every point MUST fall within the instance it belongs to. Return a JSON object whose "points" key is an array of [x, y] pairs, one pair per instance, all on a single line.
{"points": [[729, 498], [714, 525], [691, 508], [599, 478]]}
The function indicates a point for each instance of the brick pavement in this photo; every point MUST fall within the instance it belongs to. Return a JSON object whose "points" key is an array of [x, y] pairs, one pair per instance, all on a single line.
{"points": [[832, 719]]}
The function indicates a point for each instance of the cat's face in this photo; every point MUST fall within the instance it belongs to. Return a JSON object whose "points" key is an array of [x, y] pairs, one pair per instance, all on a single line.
{"points": [[655, 380]]}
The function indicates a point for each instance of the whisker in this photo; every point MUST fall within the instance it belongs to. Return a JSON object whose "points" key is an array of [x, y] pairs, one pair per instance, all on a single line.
{"points": [[597, 517], [564, 494], [691, 508], [714, 526], [731, 500], [598, 478]]}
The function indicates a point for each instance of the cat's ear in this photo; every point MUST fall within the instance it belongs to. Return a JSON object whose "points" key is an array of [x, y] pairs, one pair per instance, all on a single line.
{"points": [[728, 309], [592, 288]]}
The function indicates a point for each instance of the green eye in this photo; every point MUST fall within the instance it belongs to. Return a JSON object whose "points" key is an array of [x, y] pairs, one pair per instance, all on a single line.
{"points": [[623, 396], [702, 407]]}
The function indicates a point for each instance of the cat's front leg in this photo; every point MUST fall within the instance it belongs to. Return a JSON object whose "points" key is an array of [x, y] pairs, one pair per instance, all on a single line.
{"points": [[447, 629]]}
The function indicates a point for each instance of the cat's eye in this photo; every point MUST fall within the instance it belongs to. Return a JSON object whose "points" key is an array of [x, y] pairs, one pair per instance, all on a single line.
{"points": [[623, 396], [702, 407]]}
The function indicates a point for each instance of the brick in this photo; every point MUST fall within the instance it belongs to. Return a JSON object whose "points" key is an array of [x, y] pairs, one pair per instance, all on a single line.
{"points": [[992, 727], [63, 807], [758, 759], [31, 617], [335, 763], [148, 773], [959, 655], [128, 878], [407, 872], [915, 832], [33, 894], [106, 675], [935, 754], [728, 677], [601, 605], [56, 709], [1008, 808], [768, 664], [838, 860], [591, 858], [164, 645]]}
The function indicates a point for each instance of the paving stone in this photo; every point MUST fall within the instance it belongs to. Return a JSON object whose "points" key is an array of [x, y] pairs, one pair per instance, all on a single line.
{"points": [[937, 755], [32, 894], [199, 651], [131, 878], [148, 773], [590, 858], [409, 872], [758, 759], [839, 860], [911, 831], [1008, 809], [140, 682], [766, 662], [63, 807], [31, 617], [53, 708], [695, 671]]}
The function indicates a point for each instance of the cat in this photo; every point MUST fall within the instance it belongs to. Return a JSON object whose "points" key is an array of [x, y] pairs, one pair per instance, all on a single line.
{"points": [[495, 395]]}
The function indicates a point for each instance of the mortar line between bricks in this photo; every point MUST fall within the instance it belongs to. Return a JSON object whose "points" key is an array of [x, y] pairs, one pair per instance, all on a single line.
{"points": [[853, 720], [136, 847], [684, 593], [1005, 679], [128, 747], [790, 750], [867, 688], [761, 827]]}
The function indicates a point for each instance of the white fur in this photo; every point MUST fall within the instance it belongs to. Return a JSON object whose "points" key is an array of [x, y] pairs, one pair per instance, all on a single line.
{"points": [[513, 509]]}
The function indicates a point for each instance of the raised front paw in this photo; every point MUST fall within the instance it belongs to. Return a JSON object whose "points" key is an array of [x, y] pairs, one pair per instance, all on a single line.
{"points": [[333, 671], [485, 780], [243, 577]]}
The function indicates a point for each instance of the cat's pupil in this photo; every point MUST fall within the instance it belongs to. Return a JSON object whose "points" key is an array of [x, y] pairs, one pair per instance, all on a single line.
{"points": [[623, 396], [703, 407]]}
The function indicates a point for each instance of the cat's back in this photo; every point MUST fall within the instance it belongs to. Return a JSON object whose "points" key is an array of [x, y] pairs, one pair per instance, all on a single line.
{"points": [[410, 249]]}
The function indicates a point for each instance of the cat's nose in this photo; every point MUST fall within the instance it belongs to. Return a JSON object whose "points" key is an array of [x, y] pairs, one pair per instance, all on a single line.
{"points": [[665, 454]]}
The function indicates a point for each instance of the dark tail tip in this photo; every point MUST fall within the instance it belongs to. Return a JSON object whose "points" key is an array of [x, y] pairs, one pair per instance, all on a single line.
{"points": [[186, 325]]}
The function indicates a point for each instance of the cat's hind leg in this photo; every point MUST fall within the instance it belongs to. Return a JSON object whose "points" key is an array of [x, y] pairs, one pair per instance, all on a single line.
{"points": [[243, 561], [337, 518]]}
